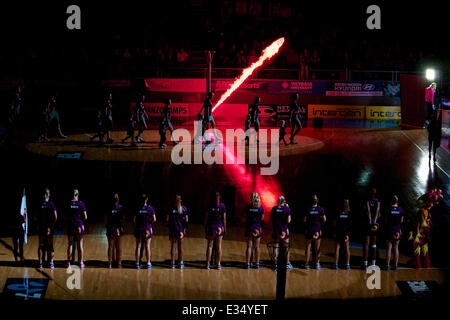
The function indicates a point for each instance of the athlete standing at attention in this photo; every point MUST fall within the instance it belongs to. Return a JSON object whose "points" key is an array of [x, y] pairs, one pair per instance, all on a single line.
{"points": [[281, 217], [342, 224], [177, 221], [207, 115], [108, 118], [294, 118], [46, 226], [130, 129], [77, 215], [144, 219], [394, 222], [215, 227], [114, 231], [54, 115], [100, 124], [50, 115], [165, 116], [253, 229], [141, 117], [313, 219], [371, 227], [253, 111]]}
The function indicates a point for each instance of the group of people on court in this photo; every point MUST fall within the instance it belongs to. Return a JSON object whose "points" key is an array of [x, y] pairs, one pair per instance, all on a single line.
{"points": [[295, 114], [215, 223], [139, 120]]}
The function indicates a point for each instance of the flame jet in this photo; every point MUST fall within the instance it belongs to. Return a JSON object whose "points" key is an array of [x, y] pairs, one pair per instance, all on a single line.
{"points": [[268, 53]]}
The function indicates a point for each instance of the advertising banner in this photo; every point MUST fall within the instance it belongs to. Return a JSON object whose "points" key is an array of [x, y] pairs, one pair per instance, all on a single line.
{"points": [[179, 111], [301, 87], [383, 113], [336, 112], [311, 87], [391, 89], [221, 85], [355, 89]]}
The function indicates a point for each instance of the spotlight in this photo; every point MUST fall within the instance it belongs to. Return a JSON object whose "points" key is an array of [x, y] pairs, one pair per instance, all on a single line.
{"points": [[430, 74]]}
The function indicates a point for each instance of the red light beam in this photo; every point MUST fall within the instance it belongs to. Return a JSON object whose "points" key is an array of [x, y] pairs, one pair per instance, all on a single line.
{"points": [[268, 53]]}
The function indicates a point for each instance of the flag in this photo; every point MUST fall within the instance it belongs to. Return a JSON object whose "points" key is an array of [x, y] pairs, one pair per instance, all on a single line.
{"points": [[23, 213]]}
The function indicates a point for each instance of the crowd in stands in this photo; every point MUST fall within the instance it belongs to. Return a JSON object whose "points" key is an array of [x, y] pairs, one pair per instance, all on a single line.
{"points": [[237, 31]]}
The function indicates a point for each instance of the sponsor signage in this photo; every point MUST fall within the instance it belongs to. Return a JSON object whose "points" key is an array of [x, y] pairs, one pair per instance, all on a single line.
{"points": [[25, 288], [220, 85], [336, 112], [383, 113], [273, 86], [69, 155], [179, 111], [300, 87], [355, 89]]}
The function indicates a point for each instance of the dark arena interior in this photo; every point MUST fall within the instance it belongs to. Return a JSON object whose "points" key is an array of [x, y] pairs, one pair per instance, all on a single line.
{"points": [[360, 89]]}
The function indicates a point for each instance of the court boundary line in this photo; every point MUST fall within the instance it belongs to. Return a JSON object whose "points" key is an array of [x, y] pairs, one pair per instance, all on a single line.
{"points": [[417, 146]]}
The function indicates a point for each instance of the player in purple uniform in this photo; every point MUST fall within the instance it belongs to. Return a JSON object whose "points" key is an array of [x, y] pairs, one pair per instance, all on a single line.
{"points": [[281, 217], [215, 227], [371, 226], [144, 219], [77, 214], [394, 223], [114, 231], [313, 219], [253, 230], [46, 226], [177, 221], [342, 234]]}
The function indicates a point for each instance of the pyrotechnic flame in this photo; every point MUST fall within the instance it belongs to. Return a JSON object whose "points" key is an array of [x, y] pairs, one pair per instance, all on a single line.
{"points": [[268, 53]]}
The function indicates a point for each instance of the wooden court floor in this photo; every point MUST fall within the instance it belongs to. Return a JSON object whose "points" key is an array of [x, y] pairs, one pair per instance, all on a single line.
{"points": [[196, 283]]}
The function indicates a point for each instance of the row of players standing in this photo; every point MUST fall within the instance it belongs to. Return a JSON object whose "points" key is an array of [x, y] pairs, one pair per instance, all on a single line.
{"points": [[215, 228], [139, 119]]}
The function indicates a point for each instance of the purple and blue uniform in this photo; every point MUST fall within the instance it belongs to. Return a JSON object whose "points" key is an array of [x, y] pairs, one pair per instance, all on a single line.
{"points": [[279, 216], [144, 220], [207, 106], [140, 112], [253, 227], [314, 218], [214, 224], [114, 224], [396, 214], [177, 223], [46, 218], [76, 213], [372, 229], [343, 222]]}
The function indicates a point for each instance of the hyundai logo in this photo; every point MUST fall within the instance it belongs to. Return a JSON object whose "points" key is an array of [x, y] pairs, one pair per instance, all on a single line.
{"points": [[368, 87]]}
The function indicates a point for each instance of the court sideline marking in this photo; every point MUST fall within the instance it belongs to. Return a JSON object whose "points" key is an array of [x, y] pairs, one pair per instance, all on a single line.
{"points": [[436, 164]]}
